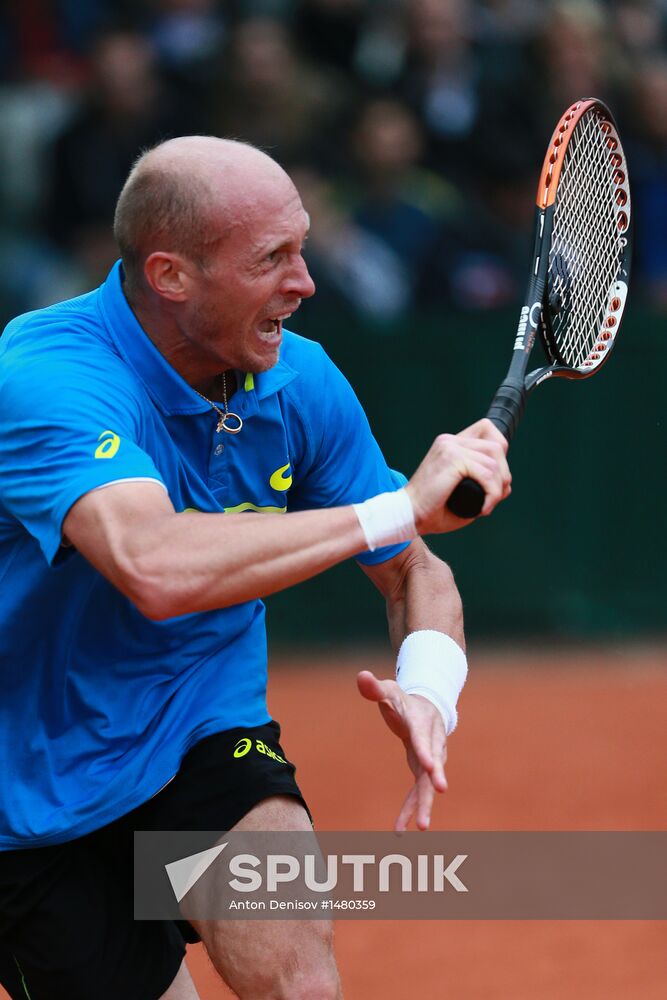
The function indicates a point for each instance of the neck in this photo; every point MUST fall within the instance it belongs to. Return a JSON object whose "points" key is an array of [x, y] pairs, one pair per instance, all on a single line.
{"points": [[216, 387], [157, 321]]}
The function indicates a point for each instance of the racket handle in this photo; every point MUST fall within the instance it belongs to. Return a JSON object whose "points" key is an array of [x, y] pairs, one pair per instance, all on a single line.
{"points": [[507, 407], [467, 499], [505, 412]]}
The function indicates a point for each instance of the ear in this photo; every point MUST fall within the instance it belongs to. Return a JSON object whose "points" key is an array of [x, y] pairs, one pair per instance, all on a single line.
{"points": [[168, 275]]}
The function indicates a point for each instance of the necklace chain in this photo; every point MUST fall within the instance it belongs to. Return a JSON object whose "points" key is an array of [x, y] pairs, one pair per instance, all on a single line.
{"points": [[226, 415]]}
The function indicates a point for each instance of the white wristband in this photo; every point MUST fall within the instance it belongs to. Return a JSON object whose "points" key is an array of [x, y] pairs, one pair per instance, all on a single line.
{"points": [[431, 664], [386, 519]]}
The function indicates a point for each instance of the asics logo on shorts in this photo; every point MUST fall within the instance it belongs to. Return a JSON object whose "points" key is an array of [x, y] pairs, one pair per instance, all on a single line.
{"points": [[244, 746]]}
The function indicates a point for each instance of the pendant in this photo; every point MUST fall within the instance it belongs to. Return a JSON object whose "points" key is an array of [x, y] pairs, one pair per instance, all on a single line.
{"points": [[232, 428]]}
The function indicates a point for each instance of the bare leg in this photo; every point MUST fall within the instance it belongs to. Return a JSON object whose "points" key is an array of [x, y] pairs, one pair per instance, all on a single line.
{"points": [[274, 959], [182, 987]]}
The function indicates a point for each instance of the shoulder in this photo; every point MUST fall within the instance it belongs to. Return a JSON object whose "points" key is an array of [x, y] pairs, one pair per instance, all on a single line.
{"points": [[319, 399], [70, 331], [318, 380], [83, 309], [59, 351], [301, 354]]}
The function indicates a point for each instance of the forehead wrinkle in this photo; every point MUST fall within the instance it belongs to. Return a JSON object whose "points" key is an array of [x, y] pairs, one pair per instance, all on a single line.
{"points": [[265, 229]]}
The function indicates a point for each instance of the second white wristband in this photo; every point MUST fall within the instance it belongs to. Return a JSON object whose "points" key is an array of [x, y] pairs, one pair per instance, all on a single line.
{"points": [[432, 664]]}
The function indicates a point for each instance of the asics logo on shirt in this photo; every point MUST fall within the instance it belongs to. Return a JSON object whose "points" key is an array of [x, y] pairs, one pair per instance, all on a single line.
{"points": [[109, 445], [279, 481]]}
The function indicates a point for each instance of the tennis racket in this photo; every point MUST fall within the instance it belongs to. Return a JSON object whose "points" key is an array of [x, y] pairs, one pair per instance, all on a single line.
{"points": [[581, 268]]}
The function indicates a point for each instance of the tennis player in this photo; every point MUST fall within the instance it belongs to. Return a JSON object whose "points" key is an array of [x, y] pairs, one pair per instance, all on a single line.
{"points": [[136, 423]]}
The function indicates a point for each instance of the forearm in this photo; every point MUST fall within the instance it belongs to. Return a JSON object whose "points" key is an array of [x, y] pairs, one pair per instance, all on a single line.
{"points": [[420, 593], [171, 563], [424, 609], [216, 560], [431, 601]]}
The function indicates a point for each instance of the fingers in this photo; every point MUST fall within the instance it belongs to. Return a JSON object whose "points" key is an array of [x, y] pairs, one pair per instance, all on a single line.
{"points": [[418, 803], [425, 797], [487, 464], [389, 699], [430, 773], [484, 428], [478, 452], [417, 722], [370, 687], [427, 753], [483, 436], [407, 811], [439, 755]]}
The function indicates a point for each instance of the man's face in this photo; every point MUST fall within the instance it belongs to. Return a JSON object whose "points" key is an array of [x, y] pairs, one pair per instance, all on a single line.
{"points": [[255, 279]]}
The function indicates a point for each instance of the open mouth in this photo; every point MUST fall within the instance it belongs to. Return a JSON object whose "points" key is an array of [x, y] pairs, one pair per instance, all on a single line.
{"points": [[271, 330]]}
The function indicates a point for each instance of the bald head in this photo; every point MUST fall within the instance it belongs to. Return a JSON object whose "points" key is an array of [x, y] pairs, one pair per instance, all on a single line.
{"points": [[186, 195]]}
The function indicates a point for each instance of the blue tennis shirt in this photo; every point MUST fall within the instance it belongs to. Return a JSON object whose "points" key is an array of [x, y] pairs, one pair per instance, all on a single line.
{"points": [[98, 704]]}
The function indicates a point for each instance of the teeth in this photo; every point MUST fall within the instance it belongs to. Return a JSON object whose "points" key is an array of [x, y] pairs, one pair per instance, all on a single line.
{"points": [[270, 328], [269, 334]]}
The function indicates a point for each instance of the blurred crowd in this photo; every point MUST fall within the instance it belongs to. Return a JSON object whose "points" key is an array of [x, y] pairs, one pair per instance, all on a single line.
{"points": [[414, 129]]}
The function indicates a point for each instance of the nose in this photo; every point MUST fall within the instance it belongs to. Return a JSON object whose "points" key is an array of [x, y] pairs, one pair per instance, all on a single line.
{"points": [[298, 281]]}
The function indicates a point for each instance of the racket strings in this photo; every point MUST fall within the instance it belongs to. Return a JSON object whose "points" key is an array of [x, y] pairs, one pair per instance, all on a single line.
{"points": [[586, 245]]}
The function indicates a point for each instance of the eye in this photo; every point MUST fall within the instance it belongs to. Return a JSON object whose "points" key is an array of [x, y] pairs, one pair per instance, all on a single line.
{"points": [[273, 257]]}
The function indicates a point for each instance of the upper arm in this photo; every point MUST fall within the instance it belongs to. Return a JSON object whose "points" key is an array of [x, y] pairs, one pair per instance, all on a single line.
{"points": [[106, 526], [57, 447]]}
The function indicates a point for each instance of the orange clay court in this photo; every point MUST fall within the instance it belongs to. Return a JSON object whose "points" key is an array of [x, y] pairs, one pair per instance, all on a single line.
{"points": [[548, 741]]}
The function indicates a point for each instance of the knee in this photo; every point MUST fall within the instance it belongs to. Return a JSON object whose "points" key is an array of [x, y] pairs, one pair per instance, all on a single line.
{"points": [[315, 985], [304, 969]]}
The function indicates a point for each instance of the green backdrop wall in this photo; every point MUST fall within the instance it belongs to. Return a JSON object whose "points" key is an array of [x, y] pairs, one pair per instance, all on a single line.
{"points": [[580, 548]]}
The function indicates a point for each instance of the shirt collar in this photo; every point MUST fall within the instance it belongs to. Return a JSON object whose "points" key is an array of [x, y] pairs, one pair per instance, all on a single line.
{"points": [[171, 393]]}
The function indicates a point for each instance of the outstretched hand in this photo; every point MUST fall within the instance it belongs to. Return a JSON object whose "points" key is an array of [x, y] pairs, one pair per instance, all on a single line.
{"points": [[419, 725]]}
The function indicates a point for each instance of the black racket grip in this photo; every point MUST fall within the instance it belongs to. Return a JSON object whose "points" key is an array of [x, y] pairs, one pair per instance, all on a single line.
{"points": [[505, 412], [507, 407], [467, 499]]}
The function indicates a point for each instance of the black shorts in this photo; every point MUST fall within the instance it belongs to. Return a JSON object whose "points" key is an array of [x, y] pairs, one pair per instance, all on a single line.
{"points": [[66, 911]]}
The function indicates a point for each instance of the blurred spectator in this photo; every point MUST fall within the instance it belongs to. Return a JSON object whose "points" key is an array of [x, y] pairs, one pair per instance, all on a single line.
{"points": [[397, 200], [647, 161], [481, 263], [577, 56], [442, 79], [31, 43], [640, 25], [454, 101], [513, 21], [330, 30], [364, 39], [351, 268], [127, 109], [50, 39], [188, 38], [270, 97], [37, 95]]}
